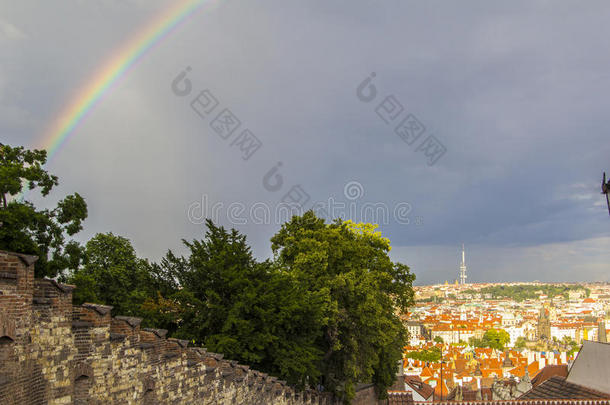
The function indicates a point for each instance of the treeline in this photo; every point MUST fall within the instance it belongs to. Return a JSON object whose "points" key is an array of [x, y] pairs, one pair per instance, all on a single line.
{"points": [[527, 291], [320, 314]]}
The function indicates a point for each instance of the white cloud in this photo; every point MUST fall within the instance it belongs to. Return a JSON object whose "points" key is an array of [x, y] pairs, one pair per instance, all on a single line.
{"points": [[10, 32]]}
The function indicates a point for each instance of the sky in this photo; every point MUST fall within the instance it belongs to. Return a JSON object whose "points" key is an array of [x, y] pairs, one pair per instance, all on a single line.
{"points": [[510, 101]]}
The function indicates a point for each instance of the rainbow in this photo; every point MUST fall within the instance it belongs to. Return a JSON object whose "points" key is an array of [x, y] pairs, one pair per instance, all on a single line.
{"points": [[117, 67]]}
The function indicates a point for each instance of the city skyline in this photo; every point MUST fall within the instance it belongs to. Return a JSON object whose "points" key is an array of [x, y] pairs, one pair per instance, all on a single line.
{"points": [[304, 203]]}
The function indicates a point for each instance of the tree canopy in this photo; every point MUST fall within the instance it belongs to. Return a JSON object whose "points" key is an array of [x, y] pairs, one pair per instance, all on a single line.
{"points": [[28, 230], [520, 343], [349, 265], [112, 274], [431, 355], [494, 338], [528, 291], [250, 311]]}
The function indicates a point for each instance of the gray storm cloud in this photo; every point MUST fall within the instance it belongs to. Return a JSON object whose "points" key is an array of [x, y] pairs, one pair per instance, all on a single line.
{"points": [[516, 92]]}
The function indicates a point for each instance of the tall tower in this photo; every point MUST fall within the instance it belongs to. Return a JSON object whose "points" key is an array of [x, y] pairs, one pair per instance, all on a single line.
{"points": [[601, 332], [463, 267]]}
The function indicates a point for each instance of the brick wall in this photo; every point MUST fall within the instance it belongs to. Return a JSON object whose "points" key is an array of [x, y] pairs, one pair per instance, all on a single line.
{"points": [[54, 353]]}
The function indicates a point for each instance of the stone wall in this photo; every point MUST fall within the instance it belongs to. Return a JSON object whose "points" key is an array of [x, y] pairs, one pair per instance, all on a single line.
{"points": [[367, 395], [52, 352]]}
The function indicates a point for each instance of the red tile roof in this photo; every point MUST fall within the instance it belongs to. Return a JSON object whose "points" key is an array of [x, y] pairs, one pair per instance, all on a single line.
{"points": [[417, 385], [557, 387], [426, 372], [548, 372], [490, 372], [533, 368], [518, 371]]}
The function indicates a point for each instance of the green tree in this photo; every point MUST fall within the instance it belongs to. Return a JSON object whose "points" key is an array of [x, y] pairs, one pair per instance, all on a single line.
{"points": [[574, 347], [438, 339], [520, 343], [432, 355], [496, 339], [570, 344], [112, 274], [221, 297], [349, 265], [475, 342], [567, 340], [27, 230], [527, 291]]}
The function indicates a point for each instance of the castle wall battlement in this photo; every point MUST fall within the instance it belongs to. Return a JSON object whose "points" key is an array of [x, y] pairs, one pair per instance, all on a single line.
{"points": [[52, 352]]}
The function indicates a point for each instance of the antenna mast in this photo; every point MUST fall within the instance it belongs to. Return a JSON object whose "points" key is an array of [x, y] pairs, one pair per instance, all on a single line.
{"points": [[463, 267]]}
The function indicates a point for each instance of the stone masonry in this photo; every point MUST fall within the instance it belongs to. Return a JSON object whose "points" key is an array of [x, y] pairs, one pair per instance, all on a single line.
{"points": [[52, 352]]}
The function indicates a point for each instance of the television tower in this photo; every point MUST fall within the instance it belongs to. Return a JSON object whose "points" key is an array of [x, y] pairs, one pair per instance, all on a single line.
{"points": [[463, 267]]}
